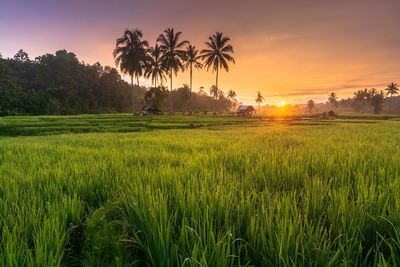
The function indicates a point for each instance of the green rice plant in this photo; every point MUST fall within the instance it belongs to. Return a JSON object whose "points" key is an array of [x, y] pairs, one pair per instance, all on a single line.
{"points": [[209, 191]]}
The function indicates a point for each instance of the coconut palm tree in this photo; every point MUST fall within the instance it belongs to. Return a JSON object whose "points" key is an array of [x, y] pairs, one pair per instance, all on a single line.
{"points": [[259, 100], [154, 69], [218, 54], [392, 89], [361, 98], [192, 60], [173, 53], [215, 93], [333, 99], [130, 56], [231, 96]]}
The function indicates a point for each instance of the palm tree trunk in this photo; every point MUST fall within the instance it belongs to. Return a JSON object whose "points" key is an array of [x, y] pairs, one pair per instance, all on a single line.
{"points": [[190, 99], [137, 81], [391, 102], [216, 85], [216, 80], [170, 77], [133, 95]]}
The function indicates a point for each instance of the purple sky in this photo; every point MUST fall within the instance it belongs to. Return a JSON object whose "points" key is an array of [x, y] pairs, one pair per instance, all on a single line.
{"points": [[290, 50]]}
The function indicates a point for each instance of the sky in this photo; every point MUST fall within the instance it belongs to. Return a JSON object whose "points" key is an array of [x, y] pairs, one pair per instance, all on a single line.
{"points": [[291, 50]]}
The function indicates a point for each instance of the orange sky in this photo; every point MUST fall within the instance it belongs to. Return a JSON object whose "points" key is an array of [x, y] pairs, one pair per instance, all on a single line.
{"points": [[291, 50]]}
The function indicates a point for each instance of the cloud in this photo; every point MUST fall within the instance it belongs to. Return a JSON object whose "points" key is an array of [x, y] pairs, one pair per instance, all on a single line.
{"points": [[285, 48]]}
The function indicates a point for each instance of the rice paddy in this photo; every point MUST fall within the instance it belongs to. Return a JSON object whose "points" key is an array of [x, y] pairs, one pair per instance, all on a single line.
{"points": [[210, 191]]}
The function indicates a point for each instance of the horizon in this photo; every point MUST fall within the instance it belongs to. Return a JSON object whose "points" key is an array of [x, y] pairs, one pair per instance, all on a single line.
{"points": [[324, 47]]}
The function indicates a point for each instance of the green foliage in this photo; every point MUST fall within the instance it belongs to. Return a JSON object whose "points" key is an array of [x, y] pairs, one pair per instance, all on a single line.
{"points": [[311, 194], [61, 84], [156, 95]]}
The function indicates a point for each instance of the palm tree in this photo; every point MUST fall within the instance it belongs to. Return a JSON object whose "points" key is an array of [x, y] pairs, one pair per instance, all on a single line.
{"points": [[215, 93], [218, 53], [392, 89], [154, 68], [259, 100], [173, 54], [130, 56], [310, 105], [333, 99], [361, 98], [231, 96], [192, 60]]}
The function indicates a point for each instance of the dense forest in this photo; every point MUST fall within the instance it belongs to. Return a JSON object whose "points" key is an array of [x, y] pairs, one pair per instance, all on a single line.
{"points": [[62, 84]]}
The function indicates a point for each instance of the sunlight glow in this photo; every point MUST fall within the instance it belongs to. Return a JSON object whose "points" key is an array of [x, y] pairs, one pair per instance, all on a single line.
{"points": [[282, 103]]}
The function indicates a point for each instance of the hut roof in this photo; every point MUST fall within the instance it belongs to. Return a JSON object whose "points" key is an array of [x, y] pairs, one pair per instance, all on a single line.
{"points": [[243, 108]]}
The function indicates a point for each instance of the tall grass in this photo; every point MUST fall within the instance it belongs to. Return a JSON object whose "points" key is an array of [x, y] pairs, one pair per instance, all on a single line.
{"points": [[271, 195]]}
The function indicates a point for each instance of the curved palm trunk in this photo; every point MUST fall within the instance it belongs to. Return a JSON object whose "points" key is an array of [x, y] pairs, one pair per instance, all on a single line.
{"points": [[391, 102]]}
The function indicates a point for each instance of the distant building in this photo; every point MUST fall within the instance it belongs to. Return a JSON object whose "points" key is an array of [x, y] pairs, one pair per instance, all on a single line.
{"points": [[244, 110], [150, 109]]}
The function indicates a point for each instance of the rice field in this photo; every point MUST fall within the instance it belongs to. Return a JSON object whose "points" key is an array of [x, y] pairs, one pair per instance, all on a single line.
{"points": [[198, 191]]}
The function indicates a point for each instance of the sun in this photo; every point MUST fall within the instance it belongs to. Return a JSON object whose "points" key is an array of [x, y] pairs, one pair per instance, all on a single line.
{"points": [[282, 103]]}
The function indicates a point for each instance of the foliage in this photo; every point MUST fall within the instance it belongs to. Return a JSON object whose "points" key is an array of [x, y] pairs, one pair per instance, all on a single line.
{"points": [[130, 53], [173, 54], [377, 100], [60, 84], [392, 89], [310, 105], [333, 99], [218, 53], [259, 98], [155, 95], [154, 68]]}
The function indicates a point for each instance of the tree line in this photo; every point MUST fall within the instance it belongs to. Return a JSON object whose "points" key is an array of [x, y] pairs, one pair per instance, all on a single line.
{"points": [[366, 100], [62, 84], [170, 55]]}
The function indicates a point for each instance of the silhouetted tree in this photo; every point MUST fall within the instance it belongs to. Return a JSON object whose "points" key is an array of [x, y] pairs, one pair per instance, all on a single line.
{"points": [[62, 84], [310, 105], [173, 53], [232, 97], [183, 97], [333, 99], [259, 100], [192, 60], [154, 68], [156, 95], [392, 89], [218, 54], [361, 98], [130, 56], [202, 92], [377, 99], [215, 93], [22, 56]]}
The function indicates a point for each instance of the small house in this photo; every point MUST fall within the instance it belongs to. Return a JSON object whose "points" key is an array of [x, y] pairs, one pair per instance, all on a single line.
{"points": [[150, 109], [244, 110]]}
